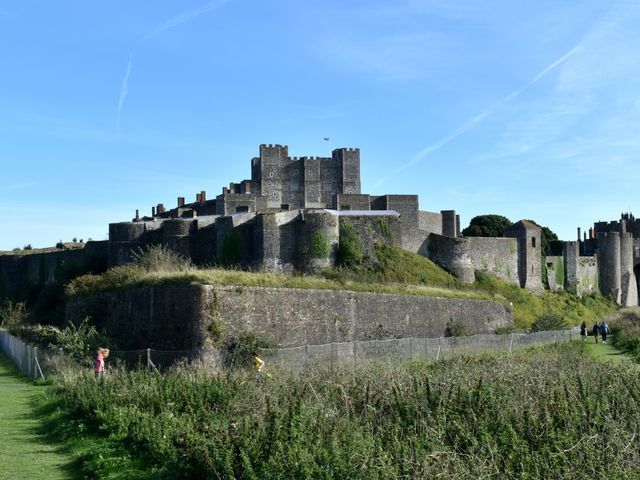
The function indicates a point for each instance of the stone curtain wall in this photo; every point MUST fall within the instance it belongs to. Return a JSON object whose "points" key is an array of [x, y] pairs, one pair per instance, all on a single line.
{"points": [[180, 317], [464, 255], [18, 273], [430, 222], [498, 256]]}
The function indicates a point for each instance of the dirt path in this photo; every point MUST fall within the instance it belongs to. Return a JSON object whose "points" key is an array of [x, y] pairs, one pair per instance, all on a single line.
{"points": [[24, 453]]}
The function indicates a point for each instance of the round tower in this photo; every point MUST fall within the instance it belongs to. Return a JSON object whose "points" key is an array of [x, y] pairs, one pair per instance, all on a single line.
{"points": [[609, 264], [126, 231], [320, 236], [629, 288], [175, 234]]}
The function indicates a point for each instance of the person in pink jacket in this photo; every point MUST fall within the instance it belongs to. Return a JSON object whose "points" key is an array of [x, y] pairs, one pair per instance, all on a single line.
{"points": [[99, 366]]}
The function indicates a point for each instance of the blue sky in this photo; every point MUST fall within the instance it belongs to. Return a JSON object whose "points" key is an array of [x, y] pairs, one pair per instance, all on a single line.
{"points": [[520, 108]]}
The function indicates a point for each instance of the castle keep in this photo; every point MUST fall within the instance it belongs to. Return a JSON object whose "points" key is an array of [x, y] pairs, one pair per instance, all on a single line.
{"points": [[274, 220], [288, 217]]}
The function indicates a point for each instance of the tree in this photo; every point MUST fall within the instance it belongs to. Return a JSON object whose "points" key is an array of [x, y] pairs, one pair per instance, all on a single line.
{"points": [[487, 226]]}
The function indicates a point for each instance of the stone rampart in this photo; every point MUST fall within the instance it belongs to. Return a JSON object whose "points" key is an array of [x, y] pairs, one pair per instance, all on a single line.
{"points": [[19, 273], [179, 317]]}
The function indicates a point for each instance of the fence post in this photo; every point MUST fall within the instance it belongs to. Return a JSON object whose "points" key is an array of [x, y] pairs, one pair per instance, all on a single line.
{"points": [[35, 357], [510, 343], [148, 358]]}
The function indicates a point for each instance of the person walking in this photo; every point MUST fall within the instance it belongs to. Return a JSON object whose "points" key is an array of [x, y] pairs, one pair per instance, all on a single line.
{"points": [[604, 330], [583, 331], [596, 331], [99, 365], [257, 364]]}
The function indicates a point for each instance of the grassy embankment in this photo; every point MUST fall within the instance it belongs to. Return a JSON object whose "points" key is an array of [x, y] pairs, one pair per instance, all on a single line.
{"points": [[541, 414], [396, 271], [625, 329]]}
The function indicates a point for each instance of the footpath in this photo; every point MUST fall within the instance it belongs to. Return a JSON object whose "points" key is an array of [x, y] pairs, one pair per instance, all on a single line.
{"points": [[606, 352], [25, 453]]}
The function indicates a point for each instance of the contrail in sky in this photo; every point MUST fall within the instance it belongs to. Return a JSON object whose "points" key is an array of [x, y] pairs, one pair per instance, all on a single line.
{"points": [[181, 19], [124, 89], [472, 122]]}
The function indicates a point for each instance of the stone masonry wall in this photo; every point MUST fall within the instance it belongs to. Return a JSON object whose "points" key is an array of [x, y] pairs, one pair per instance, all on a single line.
{"points": [[178, 317]]}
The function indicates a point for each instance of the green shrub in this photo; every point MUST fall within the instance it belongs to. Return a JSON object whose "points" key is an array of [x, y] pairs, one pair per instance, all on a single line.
{"points": [[159, 258], [351, 250], [529, 415], [455, 328], [36, 335], [385, 229], [320, 245], [238, 350], [12, 314], [549, 321], [80, 341], [625, 329]]}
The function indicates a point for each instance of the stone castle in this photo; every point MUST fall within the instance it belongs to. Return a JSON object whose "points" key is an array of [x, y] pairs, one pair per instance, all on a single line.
{"points": [[288, 217]]}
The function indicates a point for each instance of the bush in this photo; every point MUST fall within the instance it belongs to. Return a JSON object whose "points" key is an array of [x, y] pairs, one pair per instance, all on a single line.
{"points": [[12, 314], [320, 245], [625, 329], [455, 328], [238, 350], [549, 321], [159, 258], [38, 335], [351, 250], [80, 341], [529, 415]]}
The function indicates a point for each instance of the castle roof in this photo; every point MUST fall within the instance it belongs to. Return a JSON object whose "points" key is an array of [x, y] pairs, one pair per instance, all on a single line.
{"points": [[523, 224], [370, 213]]}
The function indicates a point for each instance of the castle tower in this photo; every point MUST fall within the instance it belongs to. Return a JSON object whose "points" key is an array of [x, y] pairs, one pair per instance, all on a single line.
{"points": [[348, 160], [609, 264], [628, 285], [321, 236], [529, 238], [571, 279], [266, 173], [450, 223]]}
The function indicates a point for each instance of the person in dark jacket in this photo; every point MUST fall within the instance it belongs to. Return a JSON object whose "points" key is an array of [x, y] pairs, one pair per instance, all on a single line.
{"points": [[604, 330], [596, 331], [583, 331]]}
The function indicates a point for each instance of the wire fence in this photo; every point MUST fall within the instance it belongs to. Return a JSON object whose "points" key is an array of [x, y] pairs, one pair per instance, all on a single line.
{"points": [[32, 362], [36, 363], [404, 349]]}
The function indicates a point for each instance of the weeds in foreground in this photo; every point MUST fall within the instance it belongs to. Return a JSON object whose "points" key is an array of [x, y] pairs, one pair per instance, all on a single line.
{"points": [[531, 415]]}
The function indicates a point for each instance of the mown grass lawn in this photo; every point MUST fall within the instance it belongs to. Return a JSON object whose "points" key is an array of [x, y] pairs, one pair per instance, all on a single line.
{"points": [[25, 453], [606, 351]]}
